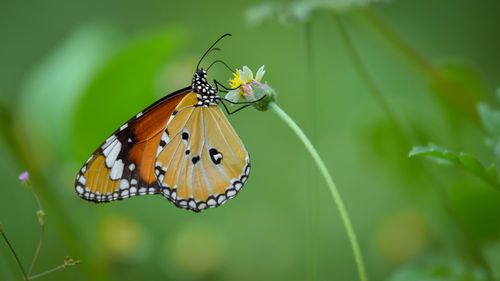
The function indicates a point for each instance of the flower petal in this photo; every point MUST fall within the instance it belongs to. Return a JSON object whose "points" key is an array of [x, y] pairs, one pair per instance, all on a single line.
{"points": [[24, 176], [247, 75], [260, 73], [233, 95]]}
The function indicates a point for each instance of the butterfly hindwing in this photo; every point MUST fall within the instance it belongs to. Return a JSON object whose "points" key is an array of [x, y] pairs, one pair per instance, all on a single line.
{"points": [[203, 162], [123, 166]]}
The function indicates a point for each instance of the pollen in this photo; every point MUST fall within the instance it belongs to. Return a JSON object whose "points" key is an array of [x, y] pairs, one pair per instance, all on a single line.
{"points": [[236, 81]]}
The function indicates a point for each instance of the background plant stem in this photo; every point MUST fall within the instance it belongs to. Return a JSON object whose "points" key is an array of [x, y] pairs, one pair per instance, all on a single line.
{"points": [[37, 251], [331, 186], [48, 271], [369, 81], [15, 255], [42, 230], [453, 93]]}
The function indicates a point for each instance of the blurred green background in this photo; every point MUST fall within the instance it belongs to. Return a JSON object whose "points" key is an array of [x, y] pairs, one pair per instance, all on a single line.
{"points": [[392, 75]]}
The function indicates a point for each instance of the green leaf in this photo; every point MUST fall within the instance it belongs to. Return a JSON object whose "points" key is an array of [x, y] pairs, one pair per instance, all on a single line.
{"points": [[52, 89], [465, 161], [122, 88], [492, 173], [439, 154], [458, 85], [471, 163], [435, 267], [491, 122], [490, 119]]}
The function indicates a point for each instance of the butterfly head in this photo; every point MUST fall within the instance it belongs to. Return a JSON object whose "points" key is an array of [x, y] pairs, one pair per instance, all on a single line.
{"points": [[200, 84]]}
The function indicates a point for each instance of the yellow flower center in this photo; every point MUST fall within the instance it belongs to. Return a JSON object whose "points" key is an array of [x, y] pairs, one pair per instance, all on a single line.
{"points": [[236, 81]]}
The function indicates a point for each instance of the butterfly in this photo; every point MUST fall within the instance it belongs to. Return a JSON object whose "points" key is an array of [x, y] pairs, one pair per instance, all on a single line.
{"points": [[182, 147]]}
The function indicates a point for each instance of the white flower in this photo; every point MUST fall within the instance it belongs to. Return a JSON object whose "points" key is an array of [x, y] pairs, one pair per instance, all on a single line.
{"points": [[242, 83]]}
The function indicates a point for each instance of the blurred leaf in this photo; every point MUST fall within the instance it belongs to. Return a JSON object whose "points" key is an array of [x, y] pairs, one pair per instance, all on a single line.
{"points": [[466, 161], [492, 254], [54, 86], [490, 119], [122, 88], [441, 154], [439, 268], [491, 122], [460, 84], [297, 12]]}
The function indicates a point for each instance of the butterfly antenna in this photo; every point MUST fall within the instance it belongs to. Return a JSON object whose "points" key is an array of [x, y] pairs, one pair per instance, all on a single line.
{"points": [[225, 64], [210, 49]]}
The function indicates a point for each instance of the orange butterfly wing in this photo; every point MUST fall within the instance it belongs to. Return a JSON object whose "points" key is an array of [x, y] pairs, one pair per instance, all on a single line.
{"points": [[203, 163], [123, 165]]}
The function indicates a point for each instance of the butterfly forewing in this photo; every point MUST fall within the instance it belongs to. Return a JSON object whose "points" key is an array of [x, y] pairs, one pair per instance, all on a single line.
{"points": [[123, 165], [203, 162]]}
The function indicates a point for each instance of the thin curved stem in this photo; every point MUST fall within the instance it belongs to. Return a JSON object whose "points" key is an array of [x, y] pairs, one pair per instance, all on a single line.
{"points": [[47, 272], [450, 91], [374, 90], [42, 230], [37, 251], [13, 253], [331, 186]]}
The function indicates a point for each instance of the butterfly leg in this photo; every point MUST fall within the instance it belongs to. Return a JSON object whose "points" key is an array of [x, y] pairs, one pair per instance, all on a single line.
{"points": [[231, 112], [243, 102], [217, 84]]}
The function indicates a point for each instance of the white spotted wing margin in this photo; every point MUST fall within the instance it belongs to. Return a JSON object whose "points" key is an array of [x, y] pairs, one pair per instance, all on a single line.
{"points": [[110, 173], [202, 162]]}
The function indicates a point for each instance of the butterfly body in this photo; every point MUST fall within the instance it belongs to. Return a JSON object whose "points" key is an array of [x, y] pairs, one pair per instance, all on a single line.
{"points": [[182, 147]]}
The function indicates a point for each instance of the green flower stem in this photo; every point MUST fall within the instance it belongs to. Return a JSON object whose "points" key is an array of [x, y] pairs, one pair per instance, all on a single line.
{"points": [[42, 230], [47, 272], [37, 251], [14, 253], [331, 185]]}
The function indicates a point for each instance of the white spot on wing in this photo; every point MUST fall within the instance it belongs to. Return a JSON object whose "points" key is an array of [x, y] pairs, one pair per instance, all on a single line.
{"points": [[124, 193], [192, 204], [82, 180], [79, 189], [124, 126], [211, 202], [124, 184], [111, 138], [111, 157], [117, 170]]}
